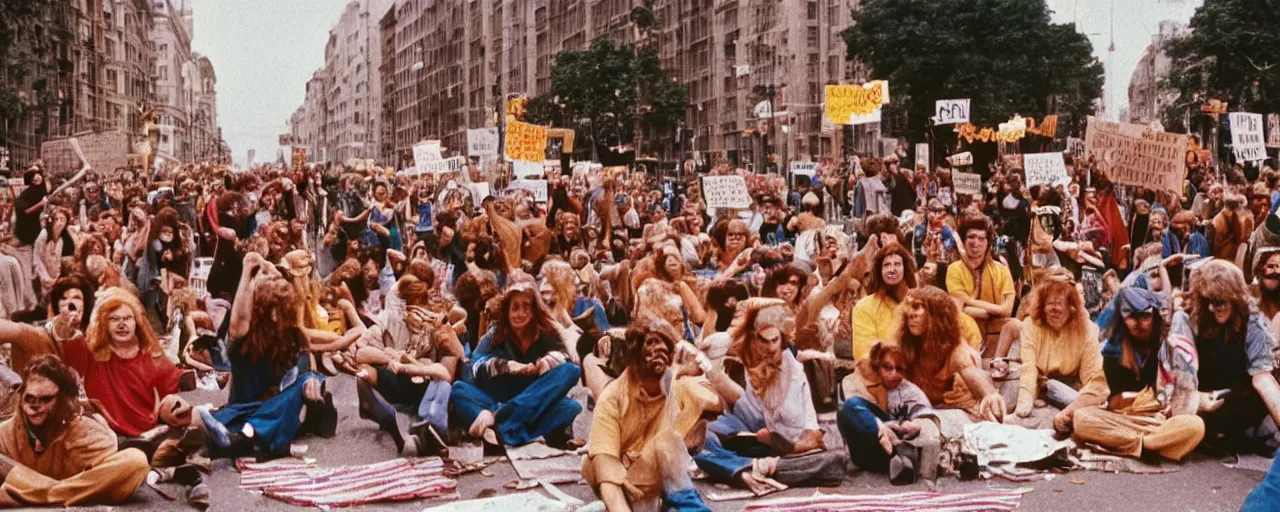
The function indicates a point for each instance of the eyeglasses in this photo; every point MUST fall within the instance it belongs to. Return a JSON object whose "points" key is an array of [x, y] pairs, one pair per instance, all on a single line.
{"points": [[736, 235], [30, 399], [793, 282], [120, 318]]}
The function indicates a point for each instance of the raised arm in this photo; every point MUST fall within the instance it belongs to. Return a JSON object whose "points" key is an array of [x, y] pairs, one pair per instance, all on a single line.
{"points": [[242, 308]]}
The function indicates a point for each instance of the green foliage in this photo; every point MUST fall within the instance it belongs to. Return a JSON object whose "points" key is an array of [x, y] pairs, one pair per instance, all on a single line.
{"points": [[1232, 53], [1004, 55], [603, 88]]}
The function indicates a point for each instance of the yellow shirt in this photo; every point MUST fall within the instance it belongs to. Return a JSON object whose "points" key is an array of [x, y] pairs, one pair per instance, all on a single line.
{"points": [[876, 317], [1056, 355], [996, 283]]}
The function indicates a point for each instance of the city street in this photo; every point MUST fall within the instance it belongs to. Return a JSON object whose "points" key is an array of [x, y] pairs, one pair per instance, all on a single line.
{"points": [[1203, 484]]}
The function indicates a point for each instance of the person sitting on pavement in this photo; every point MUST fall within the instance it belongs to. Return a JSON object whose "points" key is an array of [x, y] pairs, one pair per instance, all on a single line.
{"points": [[875, 426], [58, 453], [983, 288], [769, 435], [70, 301], [272, 374], [1060, 354], [522, 374], [639, 450], [1153, 402]]}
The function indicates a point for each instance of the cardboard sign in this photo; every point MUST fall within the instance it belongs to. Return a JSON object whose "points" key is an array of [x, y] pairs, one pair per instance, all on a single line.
{"points": [[1134, 154], [451, 164], [725, 192], [1273, 130], [428, 151], [843, 102], [1075, 146], [922, 155], [967, 182], [526, 142], [961, 159], [1246, 137], [804, 168], [1045, 169], [537, 187], [529, 170], [482, 142], [951, 111]]}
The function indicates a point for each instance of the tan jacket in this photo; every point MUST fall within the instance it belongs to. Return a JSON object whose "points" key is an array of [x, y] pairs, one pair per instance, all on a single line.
{"points": [[85, 443]]}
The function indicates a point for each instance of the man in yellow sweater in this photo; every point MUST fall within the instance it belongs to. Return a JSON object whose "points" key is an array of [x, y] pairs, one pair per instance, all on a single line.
{"points": [[983, 288], [876, 317]]}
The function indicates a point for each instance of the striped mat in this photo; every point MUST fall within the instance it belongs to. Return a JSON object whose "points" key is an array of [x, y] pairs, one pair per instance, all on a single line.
{"points": [[299, 483], [995, 500]]}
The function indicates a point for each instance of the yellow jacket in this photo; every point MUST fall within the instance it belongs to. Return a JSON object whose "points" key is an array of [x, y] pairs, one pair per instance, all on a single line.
{"points": [[876, 318]]}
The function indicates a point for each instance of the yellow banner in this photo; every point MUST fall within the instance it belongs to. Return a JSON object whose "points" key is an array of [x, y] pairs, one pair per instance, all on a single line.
{"points": [[846, 101], [526, 142]]}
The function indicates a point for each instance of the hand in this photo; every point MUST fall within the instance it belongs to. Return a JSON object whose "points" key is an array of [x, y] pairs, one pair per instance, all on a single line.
{"points": [[743, 259], [1208, 403], [1172, 260], [395, 367], [887, 437], [1062, 421], [992, 407], [764, 436], [1022, 410], [907, 428]]}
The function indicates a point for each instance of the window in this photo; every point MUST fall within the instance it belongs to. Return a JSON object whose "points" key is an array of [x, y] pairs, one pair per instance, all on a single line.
{"points": [[163, 53], [813, 10], [164, 72]]}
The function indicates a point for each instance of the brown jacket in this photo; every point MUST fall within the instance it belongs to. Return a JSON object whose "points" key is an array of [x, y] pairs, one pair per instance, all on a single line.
{"points": [[85, 443]]}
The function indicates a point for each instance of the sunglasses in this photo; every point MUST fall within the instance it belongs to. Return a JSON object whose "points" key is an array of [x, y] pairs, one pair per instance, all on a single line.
{"points": [[43, 400]]}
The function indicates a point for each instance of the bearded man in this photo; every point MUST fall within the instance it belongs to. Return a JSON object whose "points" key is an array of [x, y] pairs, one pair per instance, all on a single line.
{"points": [[637, 454], [769, 438], [57, 454]]}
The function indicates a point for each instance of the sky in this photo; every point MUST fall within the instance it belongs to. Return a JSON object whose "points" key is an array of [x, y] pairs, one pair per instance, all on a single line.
{"points": [[264, 51]]}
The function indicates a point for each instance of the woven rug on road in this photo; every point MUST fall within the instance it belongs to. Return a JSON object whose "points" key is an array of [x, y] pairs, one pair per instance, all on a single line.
{"points": [[995, 500], [300, 483], [537, 461]]}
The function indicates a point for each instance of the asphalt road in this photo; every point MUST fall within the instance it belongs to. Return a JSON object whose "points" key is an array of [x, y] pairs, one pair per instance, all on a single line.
{"points": [[1202, 485]]}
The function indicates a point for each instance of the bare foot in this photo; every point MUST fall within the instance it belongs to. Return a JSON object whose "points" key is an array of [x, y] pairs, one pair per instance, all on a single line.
{"points": [[484, 421]]}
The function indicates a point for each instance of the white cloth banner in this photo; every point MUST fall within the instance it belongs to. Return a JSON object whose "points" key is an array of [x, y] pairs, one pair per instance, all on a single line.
{"points": [[951, 111], [725, 192], [1246, 137], [1045, 169], [482, 142], [922, 155]]}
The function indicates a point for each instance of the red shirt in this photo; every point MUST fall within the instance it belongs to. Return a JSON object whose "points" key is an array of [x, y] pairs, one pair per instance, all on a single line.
{"points": [[127, 388]]}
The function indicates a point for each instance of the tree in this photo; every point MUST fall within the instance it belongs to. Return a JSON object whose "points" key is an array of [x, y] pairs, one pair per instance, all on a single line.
{"points": [[595, 92], [1004, 55], [1230, 54]]}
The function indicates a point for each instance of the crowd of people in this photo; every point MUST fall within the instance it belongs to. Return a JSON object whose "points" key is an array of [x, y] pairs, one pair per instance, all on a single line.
{"points": [[1140, 321]]}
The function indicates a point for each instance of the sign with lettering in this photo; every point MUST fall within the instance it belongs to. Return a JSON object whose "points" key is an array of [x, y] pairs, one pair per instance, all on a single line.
{"points": [[1075, 146], [961, 159], [922, 155], [482, 142], [522, 169], [1045, 169], [804, 168], [1134, 154], [951, 111], [725, 192], [537, 187], [451, 164], [843, 102], [966, 182], [526, 142], [1273, 130], [424, 152], [1246, 137]]}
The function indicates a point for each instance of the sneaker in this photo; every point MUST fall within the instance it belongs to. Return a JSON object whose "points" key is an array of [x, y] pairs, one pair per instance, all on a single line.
{"points": [[218, 433]]}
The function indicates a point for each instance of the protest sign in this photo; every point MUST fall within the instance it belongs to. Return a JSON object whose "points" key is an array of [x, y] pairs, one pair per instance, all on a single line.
{"points": [[526, 142], [951, 111], [522, 169], [1134, 154], [966, 182], [451, 164], [1246, 137], [428, 151], [725, 192], [804, 168], [482, 142], [479, 191], [1045, 169], [961, 159], [844, 102], [1075, 147], [922, 155], [537, 187], [1273, 130]]}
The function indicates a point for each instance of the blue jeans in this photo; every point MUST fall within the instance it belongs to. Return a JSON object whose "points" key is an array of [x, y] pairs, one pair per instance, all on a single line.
{"points": [[723, 464], [538, 409], [434, 407], [275, 421], [1266, 495], [857, 421], [686, 500]]}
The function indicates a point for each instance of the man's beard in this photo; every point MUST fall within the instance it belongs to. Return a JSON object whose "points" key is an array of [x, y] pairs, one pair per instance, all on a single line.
{"points": [[655, 363], [1272, 294], [763, 376]]}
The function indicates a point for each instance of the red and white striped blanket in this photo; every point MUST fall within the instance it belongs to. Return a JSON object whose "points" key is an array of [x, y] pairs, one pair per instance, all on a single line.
{"points": [[298, 483], [995, 500]]}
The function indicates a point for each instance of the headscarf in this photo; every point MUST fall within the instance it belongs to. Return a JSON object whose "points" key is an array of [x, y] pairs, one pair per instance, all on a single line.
{"points": [[1127, 302]]}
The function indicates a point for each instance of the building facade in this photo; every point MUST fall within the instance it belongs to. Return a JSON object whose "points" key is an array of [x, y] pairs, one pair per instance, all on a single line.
{"points": [[176, 77], [1147, 100]]}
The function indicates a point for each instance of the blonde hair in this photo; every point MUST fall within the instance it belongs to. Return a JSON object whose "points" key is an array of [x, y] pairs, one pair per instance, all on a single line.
{"points": [[560, 275]]}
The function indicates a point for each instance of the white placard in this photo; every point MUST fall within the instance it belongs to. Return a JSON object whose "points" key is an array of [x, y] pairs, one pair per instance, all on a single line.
{"points": [[538, 187], [873, 117], [1045, 169], [451, 164], [428, 151], [922, 155], [966, 182], [522, 169], [1075, 146], [1273, 130], [804, 168], [479, 191], [725, 192], [961, 159], [482, 142], [1246, 137], [951, 111]]}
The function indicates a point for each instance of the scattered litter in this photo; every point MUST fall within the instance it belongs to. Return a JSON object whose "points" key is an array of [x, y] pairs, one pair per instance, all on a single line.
{"points": [[1076, 481], [520, 485]]}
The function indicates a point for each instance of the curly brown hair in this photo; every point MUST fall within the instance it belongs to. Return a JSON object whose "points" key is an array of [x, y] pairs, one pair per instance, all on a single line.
{"points": [[274, 334], [1219, 281], [925, 355], [63, 376], [502, 329]]}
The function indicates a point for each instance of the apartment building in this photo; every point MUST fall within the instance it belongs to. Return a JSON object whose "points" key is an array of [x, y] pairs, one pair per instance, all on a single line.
{"points": [[176, 77], [1147, 100]]}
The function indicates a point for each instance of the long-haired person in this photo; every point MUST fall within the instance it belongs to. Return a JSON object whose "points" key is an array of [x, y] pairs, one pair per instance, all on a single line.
{"points": [[1060, 354], [54, 243], [272, 375], [70, 301], [522, 376]]}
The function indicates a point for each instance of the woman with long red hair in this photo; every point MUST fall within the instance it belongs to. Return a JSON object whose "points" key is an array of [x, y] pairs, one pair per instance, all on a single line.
{"points": [[1060, 346]]}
